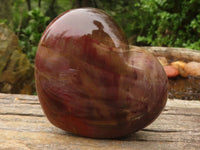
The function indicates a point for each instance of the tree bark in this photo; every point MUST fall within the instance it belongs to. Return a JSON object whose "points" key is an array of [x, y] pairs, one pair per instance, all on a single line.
{"points": [[84, 3], [28, 4], [51, 10], [39, 3]]}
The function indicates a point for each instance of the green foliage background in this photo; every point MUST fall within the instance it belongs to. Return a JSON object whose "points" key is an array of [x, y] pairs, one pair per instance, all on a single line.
{"points": [[145, 22], [159, 22]]}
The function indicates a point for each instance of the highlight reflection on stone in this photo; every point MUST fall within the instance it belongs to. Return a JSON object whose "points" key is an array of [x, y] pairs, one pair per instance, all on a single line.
{"points": [[90, 83]]}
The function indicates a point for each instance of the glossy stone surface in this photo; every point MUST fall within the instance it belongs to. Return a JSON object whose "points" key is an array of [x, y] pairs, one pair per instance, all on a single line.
{"points": [[90, 83], [171, 71]]}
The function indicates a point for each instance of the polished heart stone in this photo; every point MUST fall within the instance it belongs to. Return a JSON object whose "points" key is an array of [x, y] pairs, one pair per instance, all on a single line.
{"points": [[91, 83]]}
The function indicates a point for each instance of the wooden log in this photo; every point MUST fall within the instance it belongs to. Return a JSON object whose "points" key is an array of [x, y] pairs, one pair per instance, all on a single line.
{"points": [[23, 126], [183, 54]]}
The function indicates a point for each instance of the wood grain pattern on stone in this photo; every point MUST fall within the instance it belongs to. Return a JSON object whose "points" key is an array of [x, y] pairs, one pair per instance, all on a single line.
{"points": [[23, 126]]}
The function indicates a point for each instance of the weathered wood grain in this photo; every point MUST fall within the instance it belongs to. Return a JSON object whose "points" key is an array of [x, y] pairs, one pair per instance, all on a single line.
{"points": [[183, 54], [23, 126]]}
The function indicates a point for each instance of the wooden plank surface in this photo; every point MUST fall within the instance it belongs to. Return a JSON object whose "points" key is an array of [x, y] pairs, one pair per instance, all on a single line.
{"points": [[23, 126]]}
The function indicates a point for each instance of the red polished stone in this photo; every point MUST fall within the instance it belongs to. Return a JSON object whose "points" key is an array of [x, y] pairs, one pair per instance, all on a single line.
{"points": [[90, 83], [171, 71]]}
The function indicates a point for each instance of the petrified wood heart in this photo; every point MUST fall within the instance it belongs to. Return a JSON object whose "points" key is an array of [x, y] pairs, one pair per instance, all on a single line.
{"points": [[90, 83]]}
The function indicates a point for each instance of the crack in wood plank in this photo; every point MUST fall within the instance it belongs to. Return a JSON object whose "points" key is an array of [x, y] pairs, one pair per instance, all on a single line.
{"points": [[18, 114], [161, 131], [181, 114]]}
